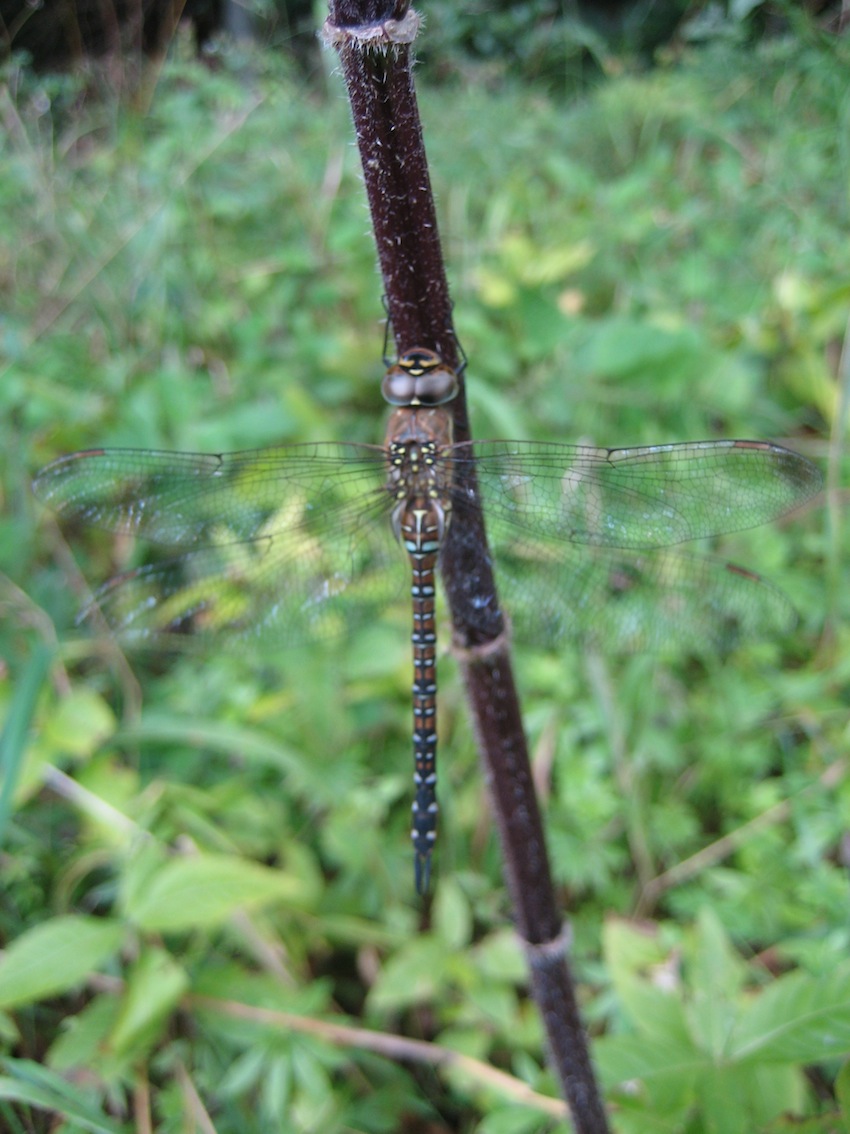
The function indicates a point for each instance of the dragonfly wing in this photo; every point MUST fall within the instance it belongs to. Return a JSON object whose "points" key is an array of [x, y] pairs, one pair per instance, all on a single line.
{"points": [[621, 601], [283, 589], [612, 583], [191, 499], [637, 498], [291, 543]]}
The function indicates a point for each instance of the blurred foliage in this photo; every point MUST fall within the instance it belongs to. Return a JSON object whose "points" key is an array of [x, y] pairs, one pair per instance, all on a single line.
{"points": [[560, 45], [199, 842]]}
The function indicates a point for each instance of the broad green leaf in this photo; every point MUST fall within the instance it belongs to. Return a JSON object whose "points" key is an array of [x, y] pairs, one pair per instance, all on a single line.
{"points": [[629, 947], [471, 1040], [774, 1089], [621, 1058], [252, 743], [84, 1041], [411, 976], [722, 1097], [230, 981], [500, 956], [637, 1116], [116, 784], [154, 988], [452, 915], [80, 724], [511, 1120], [276, 1088], [662, 1073], [147, 859], [799, 1018], [351, 930], [191, 893], [655, 1011], [55, 956], [13, 738], [244, 1072], [641, 974], [715, 976], [497, 1005], [9, 1033], [620, 346], [741, 1098], [33, 1085]]}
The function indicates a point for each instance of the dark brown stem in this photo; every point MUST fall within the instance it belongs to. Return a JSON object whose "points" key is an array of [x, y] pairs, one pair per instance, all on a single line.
{"points": [[375, 61], [374, 44]]}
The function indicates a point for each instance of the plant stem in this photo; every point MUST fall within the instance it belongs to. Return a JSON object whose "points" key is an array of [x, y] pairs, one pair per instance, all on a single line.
{"points": [[375, 59], [374, 44]]}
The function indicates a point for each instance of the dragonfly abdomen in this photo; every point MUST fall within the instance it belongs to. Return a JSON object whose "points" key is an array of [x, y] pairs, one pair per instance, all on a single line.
{"points": [[421, 525]]}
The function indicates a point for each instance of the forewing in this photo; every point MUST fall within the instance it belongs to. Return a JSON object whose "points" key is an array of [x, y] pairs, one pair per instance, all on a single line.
{"points": [[291, 543], [579, 538], [191, 499], [637, 498]]}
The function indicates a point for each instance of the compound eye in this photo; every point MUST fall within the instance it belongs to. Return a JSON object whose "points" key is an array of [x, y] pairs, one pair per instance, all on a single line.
{"points": [[435, 387], [419, 378], [398, 387]]}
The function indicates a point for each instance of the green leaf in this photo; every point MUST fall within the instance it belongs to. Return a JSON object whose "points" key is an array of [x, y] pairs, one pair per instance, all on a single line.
{"points": [[55, 956], [500, 957], [253, 744], [30, 1084], [147, 858], [656, 1011], [84, 1041], [621, 1058], [80, 723], [722, 1098], [635, 958], [662, 1073], [625, 347], [13, 739], [452, 915], [741, 1098], [774, 1089], [154, 988], [190, 893], [799, 1018], [511, 1120], [411, 976], [630, 948], [716, 975]]}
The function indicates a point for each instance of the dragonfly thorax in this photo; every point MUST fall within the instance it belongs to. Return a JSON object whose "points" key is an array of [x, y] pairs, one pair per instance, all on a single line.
{"points": [[418, 482], [416, 444]]}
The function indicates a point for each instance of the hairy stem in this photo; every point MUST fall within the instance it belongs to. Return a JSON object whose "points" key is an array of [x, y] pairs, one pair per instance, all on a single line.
{"points": [[374, 42]]}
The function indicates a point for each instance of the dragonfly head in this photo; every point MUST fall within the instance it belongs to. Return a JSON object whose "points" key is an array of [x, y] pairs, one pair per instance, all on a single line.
{"points": [[419, 378]]}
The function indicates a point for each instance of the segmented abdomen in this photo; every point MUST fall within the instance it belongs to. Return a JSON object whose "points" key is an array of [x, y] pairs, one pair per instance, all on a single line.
{"points": [[421, 530]]}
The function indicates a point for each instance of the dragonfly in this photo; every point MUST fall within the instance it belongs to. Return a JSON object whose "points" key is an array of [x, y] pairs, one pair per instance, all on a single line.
{"points": [[301, 541]]}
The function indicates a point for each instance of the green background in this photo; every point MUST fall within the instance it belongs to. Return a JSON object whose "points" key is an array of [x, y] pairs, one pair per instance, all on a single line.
{"points": [[187, 265]]}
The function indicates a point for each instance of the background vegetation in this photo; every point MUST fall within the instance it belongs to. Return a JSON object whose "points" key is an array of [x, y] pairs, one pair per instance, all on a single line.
{"points": [[190, 268]]}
